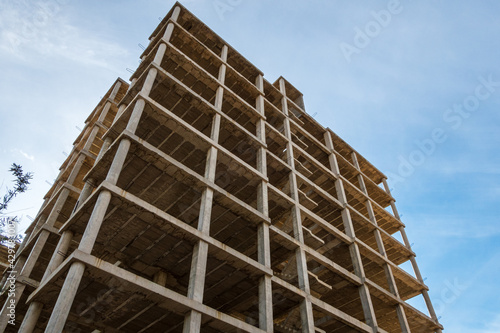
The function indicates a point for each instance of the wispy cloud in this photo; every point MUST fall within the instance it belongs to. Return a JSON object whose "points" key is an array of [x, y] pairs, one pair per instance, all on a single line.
{"points": [[26, 155], [40, 28]]}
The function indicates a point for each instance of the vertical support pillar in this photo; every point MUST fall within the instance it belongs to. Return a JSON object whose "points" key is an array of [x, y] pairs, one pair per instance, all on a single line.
{"points": [[25, 271], [68, 291], [413, 261], [104, 112], [75, 274], [364, 292], [30, 319], [105, 145], [86, 191], [306, 310], [263, 239], [175, 13], [91, 138], [40, 221], [115, 90], [403, 322], [192, 321], [58, 256], [59, 253], [42, 238], [60, 311], [121, 108], [35, 308]]}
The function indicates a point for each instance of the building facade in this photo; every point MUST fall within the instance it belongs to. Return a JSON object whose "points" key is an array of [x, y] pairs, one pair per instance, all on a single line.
{"points": [[203, 198]]}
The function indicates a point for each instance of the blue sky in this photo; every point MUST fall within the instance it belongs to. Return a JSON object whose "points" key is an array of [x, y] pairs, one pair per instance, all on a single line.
{"points": [[414, 86]]}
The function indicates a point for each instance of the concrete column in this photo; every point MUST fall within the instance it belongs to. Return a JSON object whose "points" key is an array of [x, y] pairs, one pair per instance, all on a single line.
{"points": [[35, 308], [306, 313], [25, 271], [263, 238], [135, 117], [218, 98], [121, 108], [413, 261], [132, 83], [160, 53], [4, 320], [192, 321], [168, 32], [386, 186], [148, 83], [63, 195], [307, 316], [265, 285], [262, 194], [211, 163], [59, 253], [68, 292], [86, 130], [40, 220], [95, 222], [332, 158], [66, 297], [118, 161], [205, 210], [31, 318], [224, 52], [265, 304], [364, 292], [104, 112], [393, 288], [198, 270], [86, 191], [54, 213], [115, 90], [403, 321], [303, 276], [221, 77], [91, 138], [105, 145], [57, 258], [175, 13], [214, 135], [35, 253]]}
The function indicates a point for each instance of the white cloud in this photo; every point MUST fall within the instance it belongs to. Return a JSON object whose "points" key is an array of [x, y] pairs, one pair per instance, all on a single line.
{"points": [[26, 155], [29, 157], [41, 29]]}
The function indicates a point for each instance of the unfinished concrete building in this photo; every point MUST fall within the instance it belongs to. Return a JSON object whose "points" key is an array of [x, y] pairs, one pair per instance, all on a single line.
{"points": [[203, 198]]}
